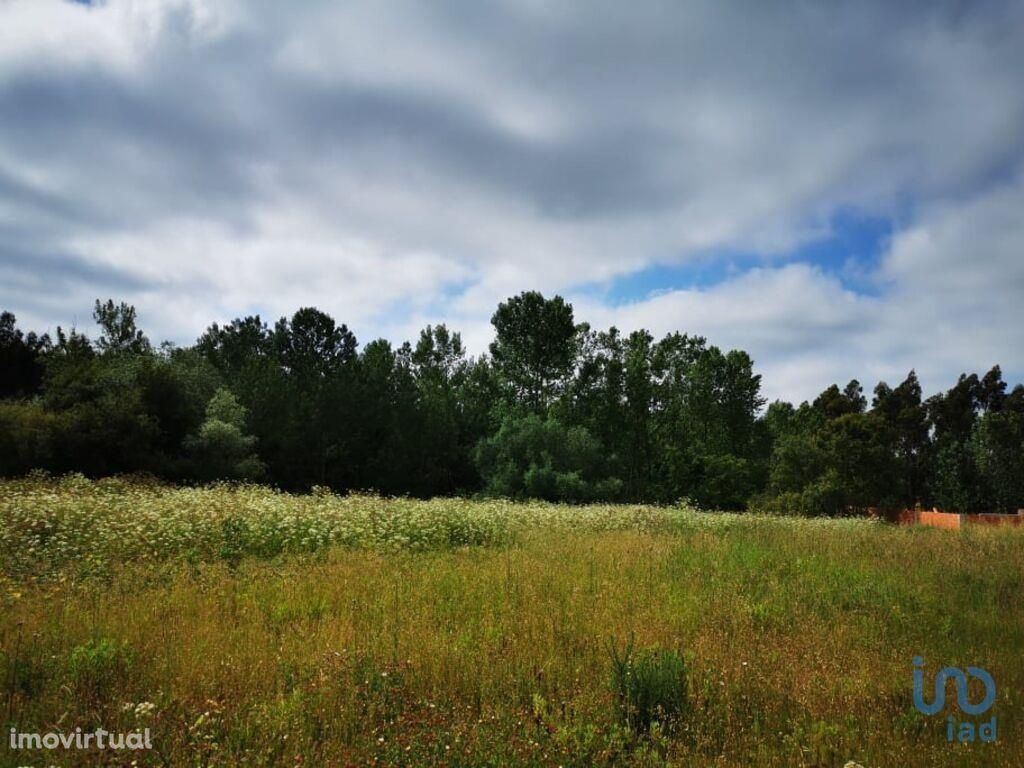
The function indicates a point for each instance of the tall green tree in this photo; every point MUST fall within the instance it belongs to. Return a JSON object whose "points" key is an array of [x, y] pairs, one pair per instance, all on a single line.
{"points": [[535, 347], [233, 347], [439, 365], [705, 406], [118, 331], [316, 356], [997, 447], [906, 419], [21, 359], [834, 402], [638, 448], [954, 477]]}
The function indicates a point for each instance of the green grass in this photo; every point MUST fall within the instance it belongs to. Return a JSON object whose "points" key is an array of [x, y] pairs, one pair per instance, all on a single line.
{"points": [[267, 629]]}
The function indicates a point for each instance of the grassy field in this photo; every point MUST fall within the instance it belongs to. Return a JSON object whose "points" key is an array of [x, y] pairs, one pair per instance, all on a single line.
{"points": [[251, 628]]}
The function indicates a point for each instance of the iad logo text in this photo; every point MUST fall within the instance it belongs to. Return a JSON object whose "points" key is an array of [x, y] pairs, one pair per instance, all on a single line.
{"points": [[966, 730]]}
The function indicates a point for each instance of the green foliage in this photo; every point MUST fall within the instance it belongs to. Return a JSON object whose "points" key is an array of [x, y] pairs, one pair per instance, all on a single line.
{"points": [[726, 482], [826, 466], [650, 687], [236, 346], [21, 359], [858, 451], [833, 403], [906, 420], [536, 458], [955, 479], [27, 435], [824, 496], [558, 411], [975, 452], [97, 665], [311, 344], [225, 408], [118, 331], [997, 448], [959, 450], [221, 449], [534, 349]]}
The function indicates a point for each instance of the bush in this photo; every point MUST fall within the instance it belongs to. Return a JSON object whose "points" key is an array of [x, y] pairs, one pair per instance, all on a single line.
{"points": [[649, 686], [221, 450], [537, 458], [727, 482], [822, 498], [98, 664], [27, 437]]}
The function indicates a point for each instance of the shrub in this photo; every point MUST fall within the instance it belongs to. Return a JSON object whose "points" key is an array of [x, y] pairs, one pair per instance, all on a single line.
{"points": [[221, 450], [537, 458], [822, 498], [649, 687], [97, 664]]}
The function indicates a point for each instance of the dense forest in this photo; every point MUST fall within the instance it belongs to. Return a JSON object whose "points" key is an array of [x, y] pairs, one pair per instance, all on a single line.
{"points": [[556, 410]]}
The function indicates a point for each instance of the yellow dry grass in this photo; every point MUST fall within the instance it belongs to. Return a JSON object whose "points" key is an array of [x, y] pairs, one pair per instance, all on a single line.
{"points": [[483, 639]]}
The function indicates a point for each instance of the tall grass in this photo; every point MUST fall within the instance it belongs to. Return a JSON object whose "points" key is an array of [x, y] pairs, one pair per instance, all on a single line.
{"points": [[469, 633]]}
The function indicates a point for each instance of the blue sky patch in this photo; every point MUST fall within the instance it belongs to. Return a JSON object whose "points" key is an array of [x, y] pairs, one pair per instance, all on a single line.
{"points": [[851, 251]]}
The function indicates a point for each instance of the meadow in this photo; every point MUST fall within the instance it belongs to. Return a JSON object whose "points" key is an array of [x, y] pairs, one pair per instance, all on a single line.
{"points": [[247, 627]]}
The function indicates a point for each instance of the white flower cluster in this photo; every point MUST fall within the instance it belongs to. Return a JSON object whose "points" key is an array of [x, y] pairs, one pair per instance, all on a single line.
{"points": [[142, 709], [48, 524]]}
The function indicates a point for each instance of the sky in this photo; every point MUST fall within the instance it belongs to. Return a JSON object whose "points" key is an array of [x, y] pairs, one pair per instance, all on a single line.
{"points": [[837, 188]]}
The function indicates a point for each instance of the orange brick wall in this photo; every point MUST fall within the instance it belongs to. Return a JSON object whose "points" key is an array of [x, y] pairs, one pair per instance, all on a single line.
{"points": [[949, 520], [996, 520], [939, 519]]}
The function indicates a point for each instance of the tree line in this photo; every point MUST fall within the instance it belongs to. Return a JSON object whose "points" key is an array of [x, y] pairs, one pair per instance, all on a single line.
{"points": [[556, 410]]}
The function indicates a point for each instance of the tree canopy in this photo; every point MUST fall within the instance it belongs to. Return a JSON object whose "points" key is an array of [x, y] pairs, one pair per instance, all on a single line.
{"points": [[556, 410]]}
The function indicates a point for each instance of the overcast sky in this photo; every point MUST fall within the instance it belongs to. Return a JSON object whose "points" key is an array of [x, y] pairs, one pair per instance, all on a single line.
{"points": [[837, 188]]}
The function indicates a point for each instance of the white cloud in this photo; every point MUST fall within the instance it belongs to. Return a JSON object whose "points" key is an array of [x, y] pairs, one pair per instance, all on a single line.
{"points": [[800, 325], [116, 35], [398, 164], [951, 291]]}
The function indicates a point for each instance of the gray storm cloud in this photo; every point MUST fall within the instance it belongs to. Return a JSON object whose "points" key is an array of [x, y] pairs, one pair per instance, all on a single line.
{"points": [[402, 163]]}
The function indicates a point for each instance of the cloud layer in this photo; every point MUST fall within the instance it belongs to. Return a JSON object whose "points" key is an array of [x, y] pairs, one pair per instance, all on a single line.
{"points": [[397, 164]]}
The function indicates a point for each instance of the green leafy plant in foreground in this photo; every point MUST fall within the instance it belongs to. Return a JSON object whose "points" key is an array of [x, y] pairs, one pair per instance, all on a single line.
{"points": [[650, 687]]}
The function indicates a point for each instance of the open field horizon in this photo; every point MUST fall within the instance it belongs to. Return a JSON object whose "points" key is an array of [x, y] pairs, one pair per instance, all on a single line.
{"points": [[251, 627], [511, 384]]}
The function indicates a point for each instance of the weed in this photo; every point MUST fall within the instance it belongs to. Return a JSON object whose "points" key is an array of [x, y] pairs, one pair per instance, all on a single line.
{"points": [[649, 686], [97, 665]]}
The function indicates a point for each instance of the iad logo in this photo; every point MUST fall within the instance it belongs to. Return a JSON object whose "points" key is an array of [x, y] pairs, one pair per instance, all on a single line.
{"points": [[966, 730]]}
